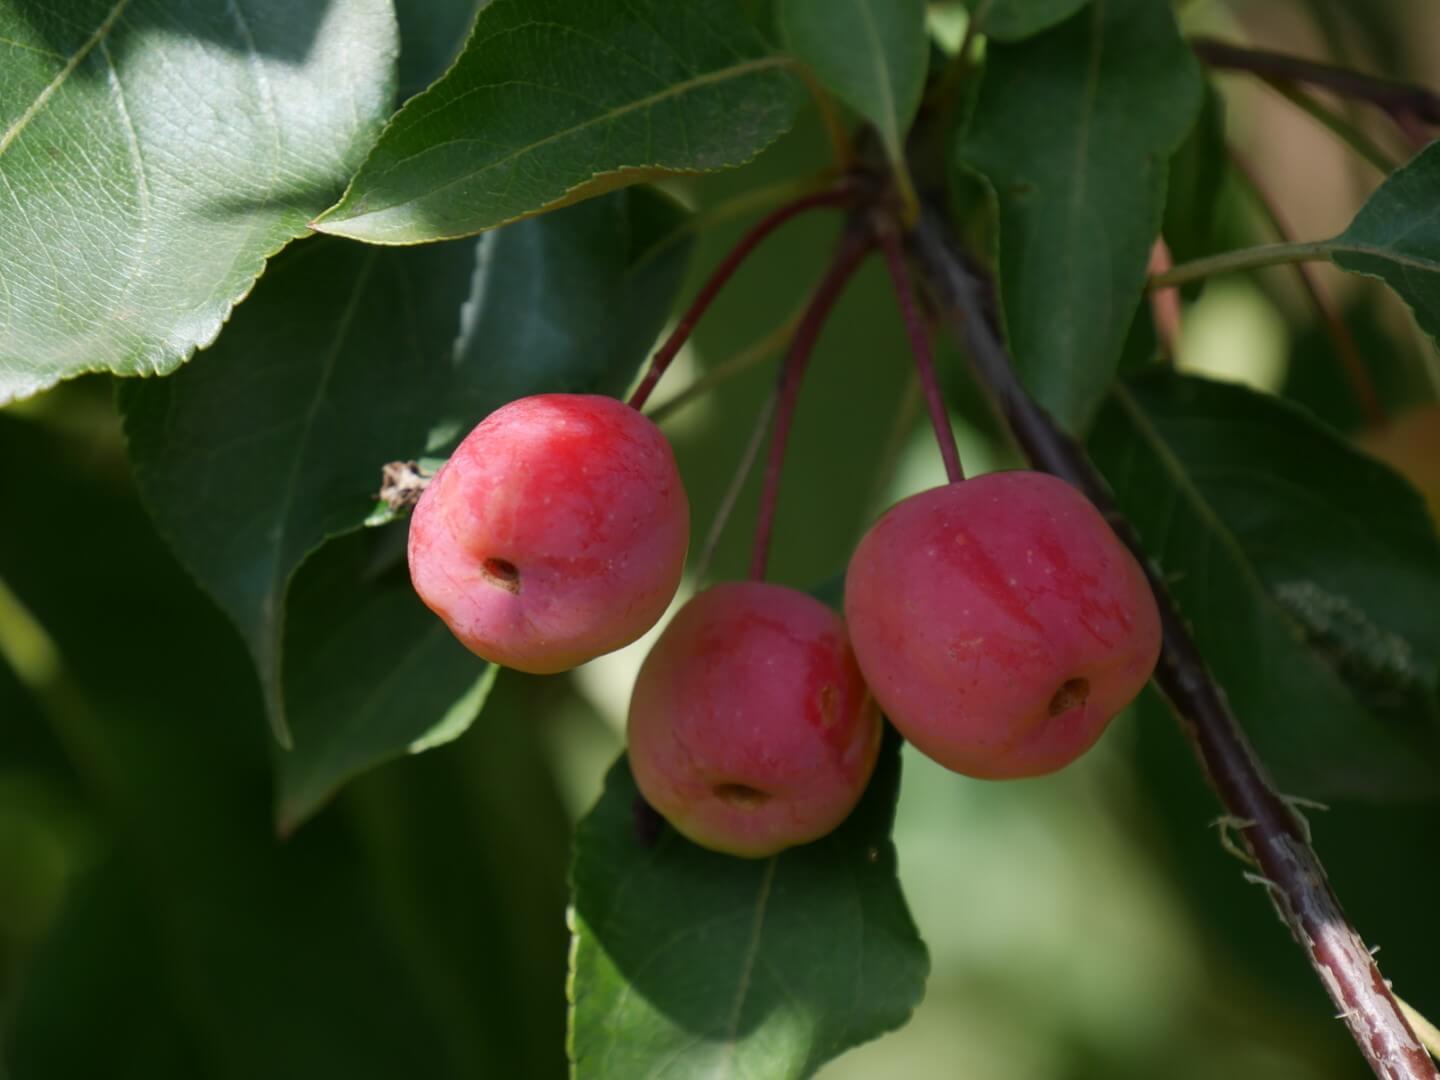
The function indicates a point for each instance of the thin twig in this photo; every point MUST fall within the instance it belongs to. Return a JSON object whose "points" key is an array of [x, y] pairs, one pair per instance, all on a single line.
{"points": [[919, 335], [836, 196], [855, 244], [1343, 341], [1408, 105], [1338, 125], [888, 460], [757, 351], [748, 457], [1251, 258], [1270, 829]]}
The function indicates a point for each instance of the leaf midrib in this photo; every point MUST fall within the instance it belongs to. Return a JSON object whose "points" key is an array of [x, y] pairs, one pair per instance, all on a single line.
{"points": [[101, 32], [734, 71]]}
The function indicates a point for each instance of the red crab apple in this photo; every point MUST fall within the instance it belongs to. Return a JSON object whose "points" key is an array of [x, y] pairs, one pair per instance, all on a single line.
{"points": [[556, 532], [751, 729], [1000, 623]]}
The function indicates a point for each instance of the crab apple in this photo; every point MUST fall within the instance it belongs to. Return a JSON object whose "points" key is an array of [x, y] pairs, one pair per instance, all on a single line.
{"points": [[1000, 623], [751, 729], [556, 532]]}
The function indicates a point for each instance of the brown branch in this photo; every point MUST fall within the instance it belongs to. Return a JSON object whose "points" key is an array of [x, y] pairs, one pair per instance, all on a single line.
{"points": [[1275, 836], [1411, 107]]}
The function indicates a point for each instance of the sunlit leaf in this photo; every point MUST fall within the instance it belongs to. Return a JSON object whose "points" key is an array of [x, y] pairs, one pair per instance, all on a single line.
{"points": [[552, 102], [154, 154]]}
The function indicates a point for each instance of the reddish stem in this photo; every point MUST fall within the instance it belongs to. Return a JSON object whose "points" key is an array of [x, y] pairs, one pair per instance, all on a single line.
{"points": [[855, 244], [837, 196], [1356, 372], [1290, 869], [919, 335]]}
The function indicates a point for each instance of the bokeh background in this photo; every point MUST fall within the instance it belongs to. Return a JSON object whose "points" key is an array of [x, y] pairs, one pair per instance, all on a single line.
{"points": [[1088, 925]]}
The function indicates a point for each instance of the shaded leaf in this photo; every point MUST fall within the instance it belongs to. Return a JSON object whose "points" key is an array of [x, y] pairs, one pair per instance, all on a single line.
{"points": [[371, 672], [431, 35], [348, 357], [1012, 20], [417, 932], [152, 155], [1197, 175], [871, 54], [1073, 130], [688, 963], [1309, 573], [553, 102], [1396, 237]]}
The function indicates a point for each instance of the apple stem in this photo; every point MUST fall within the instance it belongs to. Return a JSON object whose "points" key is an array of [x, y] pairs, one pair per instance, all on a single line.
{"points": [[855, 244], [1271, 829], [840, 195], [919, 335]]}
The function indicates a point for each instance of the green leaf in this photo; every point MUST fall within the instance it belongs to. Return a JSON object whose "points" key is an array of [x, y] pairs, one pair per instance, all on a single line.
{"points": [[553, 102], [1012, 20], [152, 155], [348, 357], [1073, 130], [1396, 237], [1309, 573], [1197, 175], [431, 34], [371, 672], [416, 932], [871, 54], [688, 963]]}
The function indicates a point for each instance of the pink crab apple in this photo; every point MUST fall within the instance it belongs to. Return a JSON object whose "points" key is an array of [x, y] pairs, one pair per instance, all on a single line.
{"points": [[751, 729], [556, 532], [1000, 623]]}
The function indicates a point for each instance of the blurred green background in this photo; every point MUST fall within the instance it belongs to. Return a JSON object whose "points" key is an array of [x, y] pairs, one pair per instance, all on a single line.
{"points": [[1086, 925]]}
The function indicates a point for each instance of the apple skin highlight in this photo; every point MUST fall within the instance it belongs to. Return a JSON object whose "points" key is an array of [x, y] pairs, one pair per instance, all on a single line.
{"points": [[556, 532], [1000, 623], [751, 729]]}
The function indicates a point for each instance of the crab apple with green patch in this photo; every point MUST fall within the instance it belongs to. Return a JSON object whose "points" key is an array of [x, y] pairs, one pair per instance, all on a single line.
{"points": [[556, 532], [751, 729], [1000, 623]]}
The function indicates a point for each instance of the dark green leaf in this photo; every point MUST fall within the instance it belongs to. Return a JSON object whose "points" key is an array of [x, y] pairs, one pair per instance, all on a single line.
{"points": [[1309, 572], [688, 963], [348, 357], [871, 54], [1073, 130], [1396, 237], [431, 34], [1197, 174], [552, 102], [153, 154], [1011, 20], [416, 932], [371, 672]]}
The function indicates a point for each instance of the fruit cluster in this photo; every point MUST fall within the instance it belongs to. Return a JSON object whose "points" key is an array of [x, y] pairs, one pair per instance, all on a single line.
{"points": [[997, 621]]}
